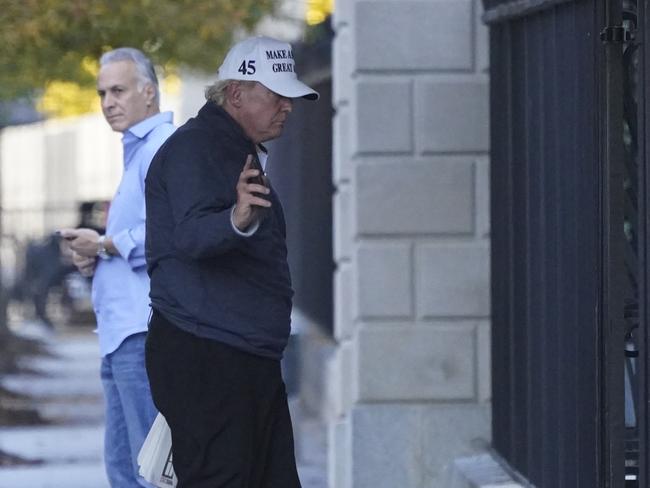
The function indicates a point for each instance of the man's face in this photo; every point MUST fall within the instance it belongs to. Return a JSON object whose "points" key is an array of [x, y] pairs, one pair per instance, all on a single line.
{"points": [[263, 112], [123, 104]]}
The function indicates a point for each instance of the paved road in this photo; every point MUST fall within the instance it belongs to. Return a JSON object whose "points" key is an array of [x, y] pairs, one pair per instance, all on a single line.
{"points": [[67, 392]]}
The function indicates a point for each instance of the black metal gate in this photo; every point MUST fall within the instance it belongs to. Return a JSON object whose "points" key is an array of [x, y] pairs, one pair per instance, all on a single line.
{"points": [[568, 245], [636, 110]]}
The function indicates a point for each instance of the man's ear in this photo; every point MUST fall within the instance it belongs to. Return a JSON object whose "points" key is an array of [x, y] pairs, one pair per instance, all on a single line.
{"points": [[234, 94], [149, 94]]}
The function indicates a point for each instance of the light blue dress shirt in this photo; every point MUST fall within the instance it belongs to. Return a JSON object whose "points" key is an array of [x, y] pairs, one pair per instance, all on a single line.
{"points": [[120, 285]]}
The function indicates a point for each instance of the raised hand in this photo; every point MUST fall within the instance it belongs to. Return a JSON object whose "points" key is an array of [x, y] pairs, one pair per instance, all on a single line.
{"points": [[250, 187]]}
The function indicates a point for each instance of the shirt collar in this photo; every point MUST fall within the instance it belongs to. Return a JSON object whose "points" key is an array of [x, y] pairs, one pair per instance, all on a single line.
{"points": [[262, 155], [141, 129]]}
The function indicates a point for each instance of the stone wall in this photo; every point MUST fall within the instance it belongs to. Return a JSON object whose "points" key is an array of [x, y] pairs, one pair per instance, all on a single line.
{"points": [[408, 387]]}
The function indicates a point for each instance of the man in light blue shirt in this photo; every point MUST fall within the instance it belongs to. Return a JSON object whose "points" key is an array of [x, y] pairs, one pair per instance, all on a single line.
{"points": [[128, 88]]}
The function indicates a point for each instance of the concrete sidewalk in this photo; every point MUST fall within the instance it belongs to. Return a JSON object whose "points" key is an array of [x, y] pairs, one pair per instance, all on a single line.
{"points": [[66, 391]]}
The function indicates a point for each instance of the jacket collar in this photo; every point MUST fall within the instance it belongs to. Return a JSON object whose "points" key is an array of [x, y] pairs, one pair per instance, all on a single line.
{"points": [[218, 120]]}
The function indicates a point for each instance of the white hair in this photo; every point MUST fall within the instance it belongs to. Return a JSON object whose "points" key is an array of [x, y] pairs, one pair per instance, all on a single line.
{"points": [[217, 91]]}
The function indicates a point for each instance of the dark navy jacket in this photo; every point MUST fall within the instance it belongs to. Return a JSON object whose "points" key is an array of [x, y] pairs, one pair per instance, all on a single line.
{"points": [[205, 278]]}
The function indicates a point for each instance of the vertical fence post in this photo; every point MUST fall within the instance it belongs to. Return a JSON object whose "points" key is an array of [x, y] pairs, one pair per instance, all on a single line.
{"points": [[612, 334]]}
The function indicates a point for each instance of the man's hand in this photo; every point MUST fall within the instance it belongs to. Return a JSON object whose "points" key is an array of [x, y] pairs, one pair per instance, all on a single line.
{"points": [[85, 265], [246, 211], [83, 242]]}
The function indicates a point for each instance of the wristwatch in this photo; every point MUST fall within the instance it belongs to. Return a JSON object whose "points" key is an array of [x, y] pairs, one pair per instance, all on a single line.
{"points": [[101, 248]]}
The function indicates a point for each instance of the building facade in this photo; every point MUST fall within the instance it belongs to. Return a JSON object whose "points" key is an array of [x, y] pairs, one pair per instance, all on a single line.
{"points": [[408, 384]]}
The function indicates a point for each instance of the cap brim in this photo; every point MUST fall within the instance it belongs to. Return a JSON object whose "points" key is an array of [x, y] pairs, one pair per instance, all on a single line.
{"points": [[292, 88]]}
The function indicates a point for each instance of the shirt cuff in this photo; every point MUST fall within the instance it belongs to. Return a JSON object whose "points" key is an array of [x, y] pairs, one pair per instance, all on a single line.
{"points": [[251, 229], [124, 243]]}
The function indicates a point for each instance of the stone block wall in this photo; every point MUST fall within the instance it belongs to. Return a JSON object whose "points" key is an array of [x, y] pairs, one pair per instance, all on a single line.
{"points": [[408, 387]]}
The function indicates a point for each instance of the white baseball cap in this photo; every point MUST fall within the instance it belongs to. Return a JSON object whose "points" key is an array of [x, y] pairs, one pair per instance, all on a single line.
{"points": [[267, 61]]}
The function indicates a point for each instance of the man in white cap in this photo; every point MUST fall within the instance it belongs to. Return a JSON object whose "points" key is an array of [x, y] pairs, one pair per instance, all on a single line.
{"points": [[220, 285]]}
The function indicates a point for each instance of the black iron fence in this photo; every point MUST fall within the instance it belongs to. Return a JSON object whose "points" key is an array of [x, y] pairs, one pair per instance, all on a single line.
{"points": [[562, 252]]}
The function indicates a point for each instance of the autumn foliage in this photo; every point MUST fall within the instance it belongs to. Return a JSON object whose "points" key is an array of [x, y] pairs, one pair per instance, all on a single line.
{"points": [[46, 40]]}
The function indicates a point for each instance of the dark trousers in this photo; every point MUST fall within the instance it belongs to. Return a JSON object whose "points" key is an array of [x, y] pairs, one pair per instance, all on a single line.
{"points": [[227, 411]]}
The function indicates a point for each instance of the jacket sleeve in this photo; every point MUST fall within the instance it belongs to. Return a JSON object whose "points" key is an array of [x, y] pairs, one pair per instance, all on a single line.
{"points": [[200, 194]]}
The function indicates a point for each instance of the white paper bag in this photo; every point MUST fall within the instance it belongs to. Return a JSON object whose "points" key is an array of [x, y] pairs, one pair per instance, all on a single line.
{"points": [[155, 457]]}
